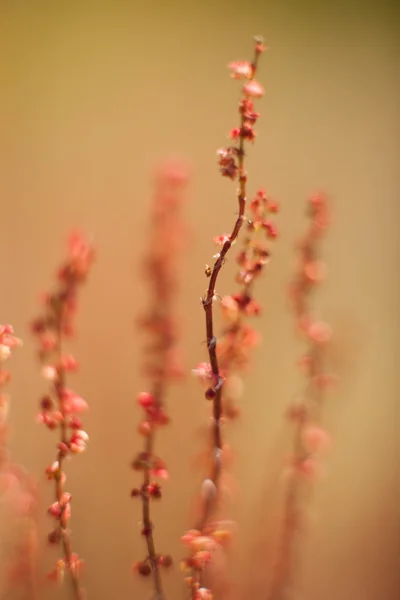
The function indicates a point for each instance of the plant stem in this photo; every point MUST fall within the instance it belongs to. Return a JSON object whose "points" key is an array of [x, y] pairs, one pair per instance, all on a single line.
{"points": [[147, 523], [208, 308], [78, 592]]}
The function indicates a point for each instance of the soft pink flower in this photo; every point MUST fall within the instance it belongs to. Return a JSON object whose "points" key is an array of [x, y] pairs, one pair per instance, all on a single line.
{"points": [[203, 594], [72, 403], [254, 89], [189, 536], [5, 352], [69, 363], [78, 441], [49, 372], [145, 399], [230, 308], [204, 372], [221, 239], [325, 381], [320, 332], [241, 69], [160, 472], [315, 270], [308, 468], [315, 438]]}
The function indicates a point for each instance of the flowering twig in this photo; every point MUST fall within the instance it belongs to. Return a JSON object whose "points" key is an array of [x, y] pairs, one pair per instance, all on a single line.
{"points": [[239, 337], [202, 539], [309, 438], [61, 406], [162, 364], [17, 487]]}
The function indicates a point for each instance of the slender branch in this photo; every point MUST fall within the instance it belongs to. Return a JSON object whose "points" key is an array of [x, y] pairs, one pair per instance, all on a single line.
{"points": [[77, 589], [161, 365], [232, 165], [309, 439], [208, 300], [50, 328]]}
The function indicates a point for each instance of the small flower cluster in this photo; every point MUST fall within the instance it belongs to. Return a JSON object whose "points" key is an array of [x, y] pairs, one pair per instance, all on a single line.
{"points": [[16, 487], [306, 414], [61, 408], [162, 362], [229, 158], [239, 338], [202, 546], [310, 438], [7, 343]]}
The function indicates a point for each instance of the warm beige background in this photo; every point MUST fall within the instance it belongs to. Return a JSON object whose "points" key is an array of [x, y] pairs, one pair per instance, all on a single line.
{"points": [[93, 93]]}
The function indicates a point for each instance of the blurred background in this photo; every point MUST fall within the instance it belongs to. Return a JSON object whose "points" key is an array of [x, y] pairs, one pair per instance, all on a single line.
{"points": [[93, 95]]}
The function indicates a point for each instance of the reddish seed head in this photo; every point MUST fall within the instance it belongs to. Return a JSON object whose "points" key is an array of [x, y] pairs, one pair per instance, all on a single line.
{"points": [[145, 428], [271, 230], [165, 561], [75, 423], [210, 394], [54, 537], [145, 399], [253, 89], [154, 490], [46, 403], [143, 568]]}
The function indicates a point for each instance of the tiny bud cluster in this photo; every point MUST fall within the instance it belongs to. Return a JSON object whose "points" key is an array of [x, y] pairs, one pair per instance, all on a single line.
{"points": [[310, 438], [17, 491], [239, 337], [61, 407], [162, 364], [229, 157]]}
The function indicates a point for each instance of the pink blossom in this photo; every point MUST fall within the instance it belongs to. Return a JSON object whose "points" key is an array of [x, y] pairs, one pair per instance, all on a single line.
{"points": [[234, 133], [320, 332], [55, 576], [221, 239], [55, 510], [204, 372], [241, 69], [52, 470], [78, 441], [315, 438], [69, 363], [254, 89], [308, 468], [160, 472], [230, 308], [189, 536], [72, 403], [203, 594], [145, 399], [315, 270], [49, 372], [325, 381], [5, 352]]}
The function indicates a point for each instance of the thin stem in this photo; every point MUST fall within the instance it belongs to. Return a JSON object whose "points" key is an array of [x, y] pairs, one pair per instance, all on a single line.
{"points": [[147, 523], [208, 308], [77, 589], [284, 564]]}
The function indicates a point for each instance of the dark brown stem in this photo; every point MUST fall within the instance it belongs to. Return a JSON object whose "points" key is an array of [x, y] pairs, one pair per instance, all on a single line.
{"points": [[207, 301], [208, 309]]}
